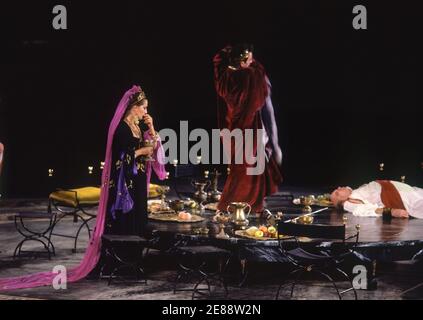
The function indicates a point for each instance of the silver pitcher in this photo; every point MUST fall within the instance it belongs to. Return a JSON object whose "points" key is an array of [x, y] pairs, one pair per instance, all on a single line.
{"points": [[200, 195], [239, 216]]}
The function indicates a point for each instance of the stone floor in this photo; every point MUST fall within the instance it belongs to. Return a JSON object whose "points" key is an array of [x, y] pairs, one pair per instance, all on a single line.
{"points": [[396, 281]]}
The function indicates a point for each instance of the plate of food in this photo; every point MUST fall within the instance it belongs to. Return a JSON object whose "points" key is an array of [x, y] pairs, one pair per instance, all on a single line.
{"points": [[265, 233], [181, 217], [258, 233], [321, 200], [211, 206], [156, 207]]}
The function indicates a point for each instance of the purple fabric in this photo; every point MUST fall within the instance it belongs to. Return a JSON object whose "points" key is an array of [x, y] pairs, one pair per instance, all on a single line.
{"points": [[157, 165], [92, 254], [123, 199]]}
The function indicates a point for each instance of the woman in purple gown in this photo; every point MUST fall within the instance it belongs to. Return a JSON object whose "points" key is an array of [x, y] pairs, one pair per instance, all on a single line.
{"points": [[127, 205]]}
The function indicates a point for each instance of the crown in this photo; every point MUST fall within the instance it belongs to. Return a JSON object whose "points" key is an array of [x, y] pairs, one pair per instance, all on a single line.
{"points": [[141, 96]]}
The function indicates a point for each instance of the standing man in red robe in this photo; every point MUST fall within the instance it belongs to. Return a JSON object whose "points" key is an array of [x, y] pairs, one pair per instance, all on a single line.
{"points": [[244, 103]]}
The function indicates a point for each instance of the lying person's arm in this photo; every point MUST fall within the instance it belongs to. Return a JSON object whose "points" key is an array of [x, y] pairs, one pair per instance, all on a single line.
{"points": [[372, 210], [362, 209]]}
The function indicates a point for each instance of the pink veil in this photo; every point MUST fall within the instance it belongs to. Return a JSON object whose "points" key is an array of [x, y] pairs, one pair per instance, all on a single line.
{"points": [[92, 253]]}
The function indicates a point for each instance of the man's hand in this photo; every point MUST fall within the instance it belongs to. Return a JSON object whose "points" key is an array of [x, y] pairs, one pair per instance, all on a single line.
{"points": [[399, 213]]}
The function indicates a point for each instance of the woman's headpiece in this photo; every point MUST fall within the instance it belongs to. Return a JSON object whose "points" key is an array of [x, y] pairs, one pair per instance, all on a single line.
{"points": [[141, 96]]}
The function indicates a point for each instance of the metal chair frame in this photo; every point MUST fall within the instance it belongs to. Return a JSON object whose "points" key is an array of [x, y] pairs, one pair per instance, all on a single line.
{"points": [[327, 261], [31, 235], [77, 212]]}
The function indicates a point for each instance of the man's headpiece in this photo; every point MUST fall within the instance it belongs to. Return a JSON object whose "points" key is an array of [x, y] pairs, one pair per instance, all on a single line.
{"points": [[243, 57], [239, 53]]}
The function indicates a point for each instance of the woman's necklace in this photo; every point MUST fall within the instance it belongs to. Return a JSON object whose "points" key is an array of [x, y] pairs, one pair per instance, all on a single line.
{"points": [[136, 131]]}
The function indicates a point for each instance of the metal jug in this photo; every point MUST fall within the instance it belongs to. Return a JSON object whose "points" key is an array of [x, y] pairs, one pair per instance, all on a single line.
{"points": [[214, 194], [239, 216], [200, 195]]}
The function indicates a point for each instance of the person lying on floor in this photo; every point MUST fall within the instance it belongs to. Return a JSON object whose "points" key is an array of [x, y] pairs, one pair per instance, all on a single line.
{"points": [[381, 198]]}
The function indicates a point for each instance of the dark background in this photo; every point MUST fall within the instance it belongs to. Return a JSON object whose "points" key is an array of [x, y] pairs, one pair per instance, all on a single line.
{"points": [[346, 99]]}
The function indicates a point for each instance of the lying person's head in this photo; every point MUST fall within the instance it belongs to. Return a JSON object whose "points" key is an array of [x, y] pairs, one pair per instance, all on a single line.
{"points": [[340, 195]]}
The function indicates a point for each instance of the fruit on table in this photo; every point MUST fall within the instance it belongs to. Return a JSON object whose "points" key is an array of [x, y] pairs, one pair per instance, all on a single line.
{"points": [[183, 215], [271, 230], [252, 231], [263, 229], [259, 234]]}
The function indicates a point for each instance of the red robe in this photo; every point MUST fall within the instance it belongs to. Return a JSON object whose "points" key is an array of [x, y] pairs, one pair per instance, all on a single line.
{"points": [[242, 94]]}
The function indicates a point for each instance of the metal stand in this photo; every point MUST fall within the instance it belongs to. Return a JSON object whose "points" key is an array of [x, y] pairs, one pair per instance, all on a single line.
{"points": [[197, 269], [117, 261], [43, 237]]}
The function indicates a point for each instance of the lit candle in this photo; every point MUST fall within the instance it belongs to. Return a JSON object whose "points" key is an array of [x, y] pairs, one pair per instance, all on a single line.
{"points": [[102, 165], [50, 172], [198, 159], [175, 162], [403, 179], [381, 166], [206, 174], [90, 170], [167, 175]]}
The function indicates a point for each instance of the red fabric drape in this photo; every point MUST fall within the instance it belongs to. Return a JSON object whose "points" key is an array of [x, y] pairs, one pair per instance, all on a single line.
{"points": [[390, 196], [242, 94]]}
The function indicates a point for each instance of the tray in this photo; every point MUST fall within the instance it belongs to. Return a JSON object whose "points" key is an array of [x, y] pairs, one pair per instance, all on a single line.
{"points": [[244, 234], [318, 203], [211, 206], [171, 217]]}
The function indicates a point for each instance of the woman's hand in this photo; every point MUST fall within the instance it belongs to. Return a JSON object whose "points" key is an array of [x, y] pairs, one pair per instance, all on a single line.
{"points": [[148, 120], [145, 151]]}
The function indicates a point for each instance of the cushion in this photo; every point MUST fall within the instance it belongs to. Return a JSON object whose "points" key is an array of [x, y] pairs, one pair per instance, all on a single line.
{"points": [[155, 190], [85, 196]]}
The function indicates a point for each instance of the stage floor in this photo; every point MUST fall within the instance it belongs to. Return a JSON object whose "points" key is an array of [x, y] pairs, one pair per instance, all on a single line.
{"points": [[394, 279]]}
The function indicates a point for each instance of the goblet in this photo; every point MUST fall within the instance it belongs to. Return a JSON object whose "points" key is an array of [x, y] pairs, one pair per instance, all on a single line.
{"points": [[307, 202], [148, 143], [163, 205], [222, 220]]}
